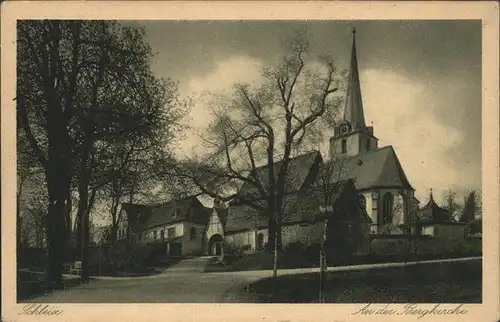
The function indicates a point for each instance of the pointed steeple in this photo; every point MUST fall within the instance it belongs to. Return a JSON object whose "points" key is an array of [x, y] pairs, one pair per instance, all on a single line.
{"points": [[353, 112]]}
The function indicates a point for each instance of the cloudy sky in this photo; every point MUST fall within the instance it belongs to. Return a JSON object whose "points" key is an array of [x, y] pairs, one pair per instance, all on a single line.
{"points": [[421, 82]]}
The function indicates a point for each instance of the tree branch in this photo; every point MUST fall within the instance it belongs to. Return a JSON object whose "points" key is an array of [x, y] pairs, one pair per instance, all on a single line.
{"points": [[21, 108]]}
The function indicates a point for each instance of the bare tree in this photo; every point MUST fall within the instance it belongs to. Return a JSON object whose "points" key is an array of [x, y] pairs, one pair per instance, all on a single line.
{"points": [[259, 129], [470, 206], [450, 200]]}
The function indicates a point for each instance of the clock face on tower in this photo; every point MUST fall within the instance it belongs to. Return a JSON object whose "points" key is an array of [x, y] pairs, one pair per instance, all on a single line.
{"points": [[344, 128]]}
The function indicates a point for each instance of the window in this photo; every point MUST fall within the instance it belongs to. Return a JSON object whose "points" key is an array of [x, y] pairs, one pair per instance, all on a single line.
{"points": [[192, 233], [387, 205], [162, 234], [154, 235], [344, 146], [171, 232], [368, 144]]}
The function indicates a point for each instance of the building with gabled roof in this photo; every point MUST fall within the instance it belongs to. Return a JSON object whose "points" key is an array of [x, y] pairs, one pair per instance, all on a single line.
{"points": [[379, 177], [303, 221], [178, 224], [372, 175], [302, 167]]}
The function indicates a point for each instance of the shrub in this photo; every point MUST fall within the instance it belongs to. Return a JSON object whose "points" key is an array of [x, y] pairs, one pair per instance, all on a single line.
{"points": [[311, 254], [231, 249], [122, 257], [294, 255], [256, 261]]}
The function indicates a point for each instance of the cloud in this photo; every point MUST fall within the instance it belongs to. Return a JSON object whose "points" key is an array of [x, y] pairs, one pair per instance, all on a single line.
{"points": [[219, 81], [400, 108], [402, 116]]}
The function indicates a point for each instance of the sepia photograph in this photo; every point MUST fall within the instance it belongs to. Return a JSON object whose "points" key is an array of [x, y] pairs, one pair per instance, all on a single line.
{"points": [[327, 161]]}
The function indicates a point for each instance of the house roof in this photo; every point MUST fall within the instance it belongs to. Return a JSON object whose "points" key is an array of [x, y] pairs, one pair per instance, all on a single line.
{"points": [[186, 209], [299, 207], [298, 169], [379, 168], [433, 213]]}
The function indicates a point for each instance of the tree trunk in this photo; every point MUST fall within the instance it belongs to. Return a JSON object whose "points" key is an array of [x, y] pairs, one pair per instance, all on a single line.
{"points": [[114, 219], [67, 236], [78, 233], [58, 182], [83, 229], [83, 199], [274, 233]]}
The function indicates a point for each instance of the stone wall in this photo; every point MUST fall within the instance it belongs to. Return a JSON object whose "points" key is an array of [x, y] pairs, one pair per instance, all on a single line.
{"points": [[424, 245], [455, 231], [306, 233]]}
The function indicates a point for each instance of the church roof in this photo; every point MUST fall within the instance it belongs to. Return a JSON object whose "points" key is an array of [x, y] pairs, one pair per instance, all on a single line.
{"points": [[433, 213], [300, 207], [298, 170], [378, 168], [353, 112]]}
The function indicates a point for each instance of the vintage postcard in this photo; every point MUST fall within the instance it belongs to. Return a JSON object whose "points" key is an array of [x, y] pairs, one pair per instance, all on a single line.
{"points": [[250, 161]]}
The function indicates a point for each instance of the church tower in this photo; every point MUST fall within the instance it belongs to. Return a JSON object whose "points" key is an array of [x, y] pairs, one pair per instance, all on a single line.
{"points": [[352, 137]]}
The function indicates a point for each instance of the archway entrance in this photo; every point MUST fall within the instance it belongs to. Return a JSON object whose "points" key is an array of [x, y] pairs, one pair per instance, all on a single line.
{"points": [[215, 245]]}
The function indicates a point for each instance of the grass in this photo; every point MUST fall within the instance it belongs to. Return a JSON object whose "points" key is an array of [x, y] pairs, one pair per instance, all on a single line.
{"points": [[426, 283], [265, 261]]}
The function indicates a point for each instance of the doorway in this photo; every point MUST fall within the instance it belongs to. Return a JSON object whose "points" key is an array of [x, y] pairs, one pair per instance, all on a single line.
{"points": [[215, 245]]}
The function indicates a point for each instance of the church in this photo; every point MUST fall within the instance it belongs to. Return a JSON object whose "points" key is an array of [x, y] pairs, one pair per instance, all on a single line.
{"points": [[385, 197], [370, 198]]}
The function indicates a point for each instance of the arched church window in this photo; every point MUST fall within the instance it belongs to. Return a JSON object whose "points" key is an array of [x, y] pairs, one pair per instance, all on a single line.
{"points": [[387, 205], [344, 146], [362, 201]]}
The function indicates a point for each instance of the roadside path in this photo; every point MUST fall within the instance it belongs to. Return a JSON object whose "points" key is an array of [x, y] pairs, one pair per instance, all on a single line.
{"points": [[186, 287]]}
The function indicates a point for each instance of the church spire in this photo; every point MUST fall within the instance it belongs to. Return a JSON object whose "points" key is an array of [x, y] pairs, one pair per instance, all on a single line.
{"points": [[353, 112]]}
